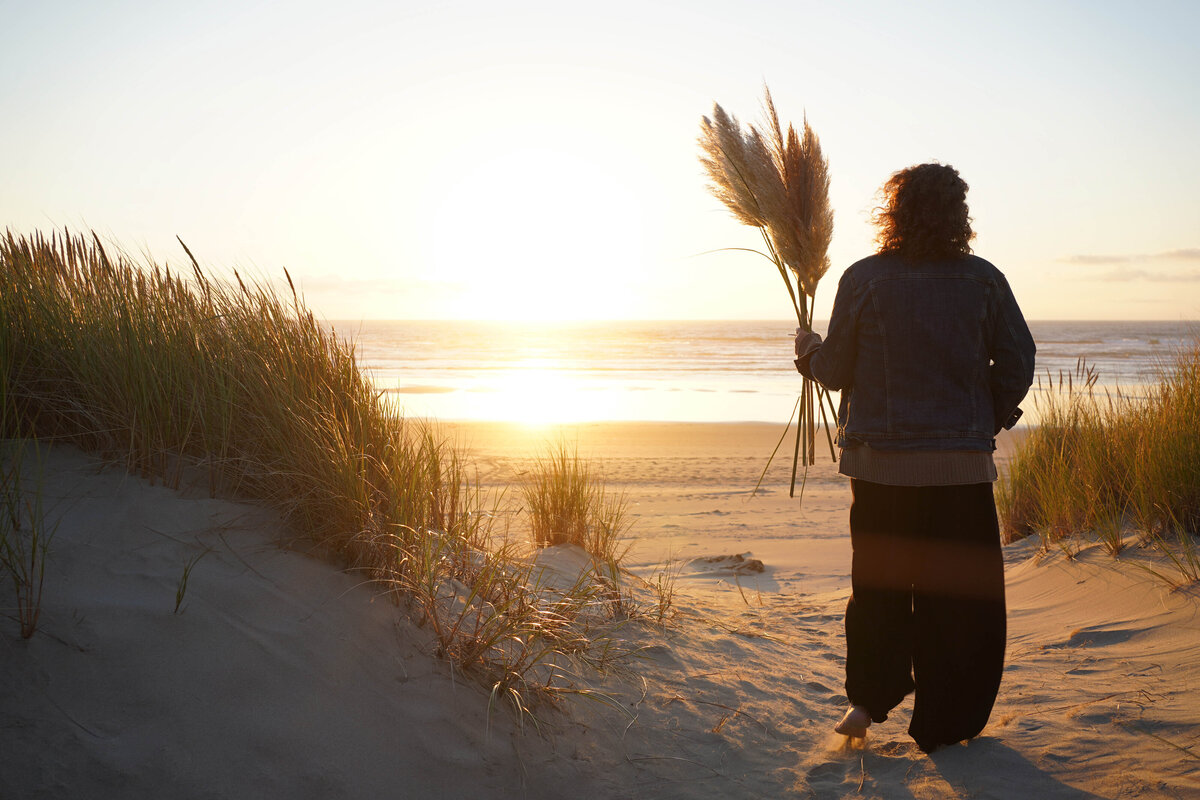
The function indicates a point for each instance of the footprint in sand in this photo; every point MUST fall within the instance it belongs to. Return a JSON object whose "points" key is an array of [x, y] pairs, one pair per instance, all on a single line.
{"points": [[1096, 717], [829, 778], [1096, 636]]}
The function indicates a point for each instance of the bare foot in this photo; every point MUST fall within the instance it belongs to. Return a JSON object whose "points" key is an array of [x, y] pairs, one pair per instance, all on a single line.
{"points": [[855, 723]]}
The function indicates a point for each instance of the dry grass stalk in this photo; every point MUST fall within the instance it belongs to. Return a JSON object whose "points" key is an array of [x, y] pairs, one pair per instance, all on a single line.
{"points": [[25, 532], [777, 180]]}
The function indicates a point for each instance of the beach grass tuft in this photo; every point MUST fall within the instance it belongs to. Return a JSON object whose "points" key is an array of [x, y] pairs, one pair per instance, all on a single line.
{"points": [[169, 370], [1110, 464], [568, 503], [25, 530]]}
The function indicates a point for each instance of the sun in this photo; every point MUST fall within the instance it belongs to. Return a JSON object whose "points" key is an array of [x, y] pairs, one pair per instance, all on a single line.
{"points": [[539, 234]]}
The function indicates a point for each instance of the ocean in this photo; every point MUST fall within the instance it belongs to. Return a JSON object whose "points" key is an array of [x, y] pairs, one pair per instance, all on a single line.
{"points": [[681, 371]]}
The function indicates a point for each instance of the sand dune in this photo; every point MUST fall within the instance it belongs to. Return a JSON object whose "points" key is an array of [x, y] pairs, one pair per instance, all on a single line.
{"points": [[283, 677]]}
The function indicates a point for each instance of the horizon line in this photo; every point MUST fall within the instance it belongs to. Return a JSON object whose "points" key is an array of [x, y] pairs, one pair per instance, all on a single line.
{"points": [[590, 321]]}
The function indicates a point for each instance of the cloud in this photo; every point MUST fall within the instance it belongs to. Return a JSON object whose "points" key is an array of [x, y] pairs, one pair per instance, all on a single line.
{"points": [[1088, 259], [1092, 259], [1126, 274], [1129, 267], [1186, 254]]}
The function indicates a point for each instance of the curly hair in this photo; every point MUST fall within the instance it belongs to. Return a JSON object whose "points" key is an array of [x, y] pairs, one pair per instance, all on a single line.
{"points": [[924, 214]]}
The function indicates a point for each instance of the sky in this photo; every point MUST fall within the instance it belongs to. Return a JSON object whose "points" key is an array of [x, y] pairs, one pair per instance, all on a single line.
{"points": [[538, 160]]}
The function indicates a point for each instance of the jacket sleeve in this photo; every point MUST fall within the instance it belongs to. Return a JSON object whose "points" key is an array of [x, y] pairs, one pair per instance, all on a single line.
{"points": [[832, 365], [1012, 355]]}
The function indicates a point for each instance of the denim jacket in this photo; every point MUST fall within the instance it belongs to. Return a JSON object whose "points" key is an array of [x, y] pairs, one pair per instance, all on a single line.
{"points": [[928, 356]]}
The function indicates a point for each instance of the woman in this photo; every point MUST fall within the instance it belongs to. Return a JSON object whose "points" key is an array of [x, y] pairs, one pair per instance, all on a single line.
{"points": [[931, 355]]}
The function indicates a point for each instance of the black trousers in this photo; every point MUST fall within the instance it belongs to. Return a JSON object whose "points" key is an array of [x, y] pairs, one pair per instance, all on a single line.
{"points": [[927, 611]]}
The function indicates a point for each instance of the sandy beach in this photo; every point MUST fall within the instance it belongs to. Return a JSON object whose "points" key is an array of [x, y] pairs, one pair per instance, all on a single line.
{"points": [[391, 399], [281, 676]]}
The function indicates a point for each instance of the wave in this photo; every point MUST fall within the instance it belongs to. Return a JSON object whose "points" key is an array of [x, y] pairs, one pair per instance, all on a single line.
{"points": [[420, 389], [718, 371]]}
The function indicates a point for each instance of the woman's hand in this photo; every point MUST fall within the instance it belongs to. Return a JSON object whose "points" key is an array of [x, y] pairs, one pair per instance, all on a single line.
{"points": [[806, 342]]}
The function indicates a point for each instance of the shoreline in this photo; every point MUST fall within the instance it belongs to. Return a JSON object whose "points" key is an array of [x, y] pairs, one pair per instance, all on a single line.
{"points": [[617, 441]]}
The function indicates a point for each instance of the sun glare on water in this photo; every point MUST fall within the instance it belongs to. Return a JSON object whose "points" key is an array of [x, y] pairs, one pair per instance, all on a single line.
{"points": [[539, 394], [534, 234], [534, 392]]}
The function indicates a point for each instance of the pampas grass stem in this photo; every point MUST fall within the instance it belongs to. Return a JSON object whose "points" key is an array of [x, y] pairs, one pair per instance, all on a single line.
{"points": [[777, 180]]}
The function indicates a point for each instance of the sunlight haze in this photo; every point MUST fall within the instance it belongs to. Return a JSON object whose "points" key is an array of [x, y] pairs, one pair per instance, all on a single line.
{"points": [[538, 161]]}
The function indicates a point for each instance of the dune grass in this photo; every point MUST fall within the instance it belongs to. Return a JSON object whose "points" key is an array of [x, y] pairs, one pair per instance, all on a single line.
{"points": [[171, 371], [25, 529], [568, 504], [1105, 465], [182, 586]]}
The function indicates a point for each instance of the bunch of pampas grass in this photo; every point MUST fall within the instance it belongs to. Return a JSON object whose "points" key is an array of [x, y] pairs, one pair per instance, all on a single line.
{"points": [[779, 183]]}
